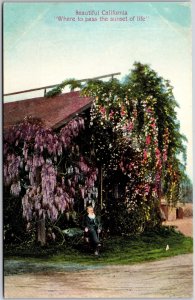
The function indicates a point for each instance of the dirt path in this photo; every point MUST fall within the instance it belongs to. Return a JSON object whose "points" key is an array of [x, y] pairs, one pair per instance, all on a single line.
{"points": [[171, 277], [184, 225]]}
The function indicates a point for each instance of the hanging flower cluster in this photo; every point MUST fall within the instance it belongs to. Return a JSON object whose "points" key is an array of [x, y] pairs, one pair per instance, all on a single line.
{"points": [[37, 163], [165, 144], [152, 158], [71, 130]]}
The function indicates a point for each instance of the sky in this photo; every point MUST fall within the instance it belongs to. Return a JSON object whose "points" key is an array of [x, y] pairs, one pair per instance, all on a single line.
{"points": [[41, 50]]}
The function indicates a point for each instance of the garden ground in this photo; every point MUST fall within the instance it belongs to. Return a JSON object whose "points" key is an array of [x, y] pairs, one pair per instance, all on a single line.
{"points": [[165, 278]]}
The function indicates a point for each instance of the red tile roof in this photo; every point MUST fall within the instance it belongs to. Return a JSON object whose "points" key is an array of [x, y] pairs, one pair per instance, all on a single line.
{"points": [[54, 112]]}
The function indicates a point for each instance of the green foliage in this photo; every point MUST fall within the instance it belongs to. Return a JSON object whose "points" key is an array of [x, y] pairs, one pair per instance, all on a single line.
{"points": [[59, 88], [124, 222], [148, 246], [142, 82], [135, 130]]}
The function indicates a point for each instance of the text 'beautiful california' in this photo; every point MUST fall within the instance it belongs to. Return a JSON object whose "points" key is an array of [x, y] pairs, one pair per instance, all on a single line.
{"points": [[101, 12]]}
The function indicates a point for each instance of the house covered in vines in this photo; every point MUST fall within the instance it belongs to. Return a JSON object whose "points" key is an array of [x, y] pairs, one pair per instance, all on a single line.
{"points": [[111, 144]]}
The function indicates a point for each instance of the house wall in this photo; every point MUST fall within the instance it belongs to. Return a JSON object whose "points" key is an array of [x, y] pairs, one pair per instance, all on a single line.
{"points": [[179, 213], [170, 212]]}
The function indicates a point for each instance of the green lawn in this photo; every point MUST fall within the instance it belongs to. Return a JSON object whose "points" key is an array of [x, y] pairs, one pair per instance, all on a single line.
{"points": [[116, 250]]}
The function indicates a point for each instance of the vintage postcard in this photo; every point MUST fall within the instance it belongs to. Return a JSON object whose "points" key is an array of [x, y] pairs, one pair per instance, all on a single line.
{"points": [[97, 150]]}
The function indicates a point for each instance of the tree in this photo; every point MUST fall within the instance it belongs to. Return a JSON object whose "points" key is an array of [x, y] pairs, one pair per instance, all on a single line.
{"points": [[47, 169], [135, 132], [143, 82]]}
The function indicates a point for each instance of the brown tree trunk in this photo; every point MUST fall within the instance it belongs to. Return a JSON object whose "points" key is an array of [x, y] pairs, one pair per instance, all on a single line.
{"points": [[41, 233], [100, 192]]}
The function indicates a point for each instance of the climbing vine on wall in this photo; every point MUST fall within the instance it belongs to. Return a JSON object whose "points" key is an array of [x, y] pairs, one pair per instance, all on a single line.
{"points": [[135, 131], [132, 135]]}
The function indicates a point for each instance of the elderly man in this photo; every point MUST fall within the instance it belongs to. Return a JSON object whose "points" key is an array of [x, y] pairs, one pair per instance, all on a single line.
{"points": [[92, 228]]}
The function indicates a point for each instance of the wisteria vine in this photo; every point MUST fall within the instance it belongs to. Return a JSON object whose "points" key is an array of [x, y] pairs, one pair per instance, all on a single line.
{"points": [[37, 163]]}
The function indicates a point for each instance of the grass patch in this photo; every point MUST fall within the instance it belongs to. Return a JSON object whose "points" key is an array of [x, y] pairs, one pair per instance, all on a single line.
{"points": [[116, 250]]}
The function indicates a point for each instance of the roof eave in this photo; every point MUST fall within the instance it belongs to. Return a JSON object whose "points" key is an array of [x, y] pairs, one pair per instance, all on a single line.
{"points": [[71, 116]]}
